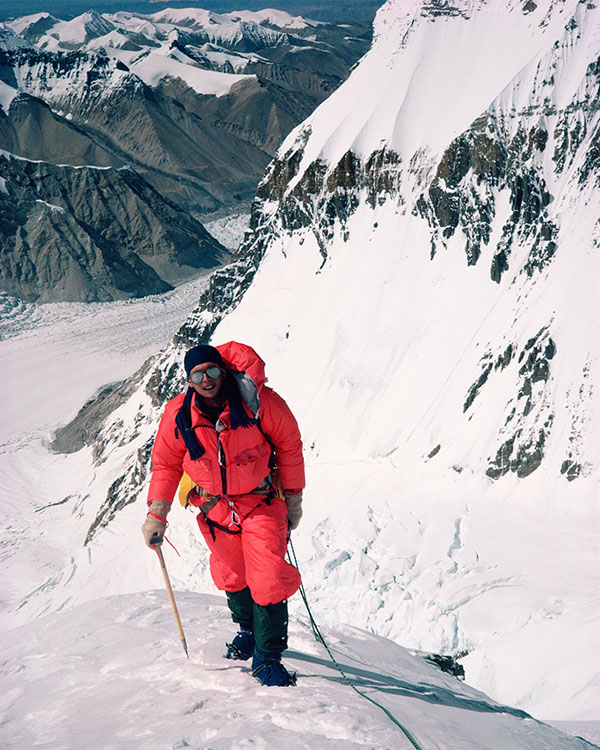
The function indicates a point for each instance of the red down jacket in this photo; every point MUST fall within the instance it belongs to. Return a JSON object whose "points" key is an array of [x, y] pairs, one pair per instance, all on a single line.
{"points": [[244, 452]]}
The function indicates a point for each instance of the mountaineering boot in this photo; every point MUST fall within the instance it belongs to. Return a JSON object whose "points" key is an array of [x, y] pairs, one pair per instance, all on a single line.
{"points": [[268, 670], [242, 646]]}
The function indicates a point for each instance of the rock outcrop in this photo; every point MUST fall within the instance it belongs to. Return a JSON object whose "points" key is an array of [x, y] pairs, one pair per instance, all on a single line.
{"points": [[93, 234]]}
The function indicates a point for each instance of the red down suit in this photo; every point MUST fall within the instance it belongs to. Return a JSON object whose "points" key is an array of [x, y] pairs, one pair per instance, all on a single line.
{"points": [[235, 462]]}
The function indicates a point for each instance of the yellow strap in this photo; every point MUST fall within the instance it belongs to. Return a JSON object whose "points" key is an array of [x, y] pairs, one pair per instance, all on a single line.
{"points": [[185, 485], [276, 482]]}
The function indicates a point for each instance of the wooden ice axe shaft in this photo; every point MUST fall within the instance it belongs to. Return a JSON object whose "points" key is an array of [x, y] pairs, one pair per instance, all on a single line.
{"points": [[158, 549]]}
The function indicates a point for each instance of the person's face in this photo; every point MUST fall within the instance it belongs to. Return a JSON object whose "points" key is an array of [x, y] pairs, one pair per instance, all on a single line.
{"points": [[209, 387]]}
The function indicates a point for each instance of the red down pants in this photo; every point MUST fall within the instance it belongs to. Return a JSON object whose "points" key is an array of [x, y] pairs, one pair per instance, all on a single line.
{"points": [[256, 556]]}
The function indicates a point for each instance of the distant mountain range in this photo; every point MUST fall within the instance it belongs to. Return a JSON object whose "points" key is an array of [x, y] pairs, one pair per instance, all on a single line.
{"points": [[194, 101], [334, 11]]}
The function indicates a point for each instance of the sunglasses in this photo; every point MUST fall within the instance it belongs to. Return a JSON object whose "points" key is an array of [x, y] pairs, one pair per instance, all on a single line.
{"points": [[213, 373]]}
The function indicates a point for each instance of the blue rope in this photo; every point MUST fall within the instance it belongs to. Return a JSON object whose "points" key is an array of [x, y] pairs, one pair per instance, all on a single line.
{"points": [[320, 639]]}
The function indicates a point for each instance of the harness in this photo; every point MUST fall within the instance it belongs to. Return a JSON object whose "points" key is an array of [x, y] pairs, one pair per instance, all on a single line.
{"points": [[267, 489]]}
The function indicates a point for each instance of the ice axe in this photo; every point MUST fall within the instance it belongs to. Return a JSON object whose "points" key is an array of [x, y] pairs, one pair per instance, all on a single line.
{"points": [[157, 547]]}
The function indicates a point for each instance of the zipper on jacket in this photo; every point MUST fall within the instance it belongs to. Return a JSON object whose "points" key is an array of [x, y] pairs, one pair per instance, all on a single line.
{"points": [[222, 462]]}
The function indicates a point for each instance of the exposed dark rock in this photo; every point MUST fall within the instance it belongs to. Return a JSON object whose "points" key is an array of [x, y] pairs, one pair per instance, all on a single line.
{"points": [[462, 194], [161, 385], [323, 197], [591, 164], [529, 456], [543, 248], [523, 451], [447, 664], [506, 358], [502, 361], [93, 235], [85, 427], [570, 469], [501, 463], [529, 6], [567, 138], [536, 356], [441, 8], [476, 387], [382, 176]]}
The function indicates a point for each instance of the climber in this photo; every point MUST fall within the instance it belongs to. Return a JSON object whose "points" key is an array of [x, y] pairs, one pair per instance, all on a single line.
{"points": [[239, 443]]}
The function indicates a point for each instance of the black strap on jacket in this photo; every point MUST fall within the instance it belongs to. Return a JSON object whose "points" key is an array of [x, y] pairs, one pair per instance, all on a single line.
{"points": [[183, 420]]}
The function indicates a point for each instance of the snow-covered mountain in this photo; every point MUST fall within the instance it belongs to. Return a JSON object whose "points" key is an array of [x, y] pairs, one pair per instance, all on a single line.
{"points": [[236, 30], [333, 11], [421, 278]]}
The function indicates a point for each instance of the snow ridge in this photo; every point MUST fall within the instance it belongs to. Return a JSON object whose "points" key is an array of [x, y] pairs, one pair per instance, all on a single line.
{"points": [[103, 660]]}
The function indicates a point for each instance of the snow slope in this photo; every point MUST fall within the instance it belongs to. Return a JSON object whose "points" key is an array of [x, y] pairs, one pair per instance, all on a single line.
{"points": [[7, 94], [154, 66], [112, 674], [279, 18], [61, 667]]}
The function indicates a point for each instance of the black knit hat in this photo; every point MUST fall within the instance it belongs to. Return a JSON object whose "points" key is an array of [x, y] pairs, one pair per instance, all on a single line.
{"points": [[198, 355]]}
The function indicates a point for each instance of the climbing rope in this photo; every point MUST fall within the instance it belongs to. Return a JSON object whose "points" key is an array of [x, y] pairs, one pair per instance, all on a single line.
{"points": [[320, 639]]}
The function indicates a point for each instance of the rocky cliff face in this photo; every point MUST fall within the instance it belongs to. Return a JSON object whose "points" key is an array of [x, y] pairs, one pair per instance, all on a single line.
{"points": [[93, 234]]}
